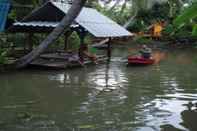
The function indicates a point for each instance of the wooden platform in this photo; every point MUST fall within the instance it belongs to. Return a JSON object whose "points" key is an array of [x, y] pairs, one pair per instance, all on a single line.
{"points": [[61, 61]]}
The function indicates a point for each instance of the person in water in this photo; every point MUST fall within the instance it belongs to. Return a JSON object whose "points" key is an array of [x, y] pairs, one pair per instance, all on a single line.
{"points": [[145, 52]]}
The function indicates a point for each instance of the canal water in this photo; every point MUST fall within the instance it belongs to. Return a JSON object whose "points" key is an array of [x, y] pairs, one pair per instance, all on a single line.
{"points": [[108, 97]]}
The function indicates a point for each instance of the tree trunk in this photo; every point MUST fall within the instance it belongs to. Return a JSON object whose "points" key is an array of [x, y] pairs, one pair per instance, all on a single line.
{"points": [[65, 23]]}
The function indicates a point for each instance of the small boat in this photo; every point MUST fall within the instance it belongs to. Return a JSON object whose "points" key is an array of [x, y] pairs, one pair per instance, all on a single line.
{"points": [[137, 60]]}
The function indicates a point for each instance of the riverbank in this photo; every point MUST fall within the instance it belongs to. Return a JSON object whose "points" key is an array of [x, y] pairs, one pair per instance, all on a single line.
{"points": [[165, 44]]}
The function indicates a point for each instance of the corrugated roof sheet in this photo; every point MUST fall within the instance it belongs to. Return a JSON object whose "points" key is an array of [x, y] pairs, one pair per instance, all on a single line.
{"points": [[4, 8], [96, 23], [90, 19], [40, 24], [37, 24]]}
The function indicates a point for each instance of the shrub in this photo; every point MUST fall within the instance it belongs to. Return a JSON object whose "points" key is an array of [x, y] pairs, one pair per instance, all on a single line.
{"points": [[3, 56], [74, 41], [142, 40]]}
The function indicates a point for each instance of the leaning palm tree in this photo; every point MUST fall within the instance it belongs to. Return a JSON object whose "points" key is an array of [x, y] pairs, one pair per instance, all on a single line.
{"points": [[64, 24]]}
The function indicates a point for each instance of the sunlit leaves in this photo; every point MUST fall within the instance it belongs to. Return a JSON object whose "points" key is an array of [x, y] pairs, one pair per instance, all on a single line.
{"points": [[189, 14], [194, 32]]}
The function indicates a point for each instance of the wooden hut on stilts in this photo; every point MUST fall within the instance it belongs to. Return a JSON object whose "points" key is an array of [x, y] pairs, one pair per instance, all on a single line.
{"points": [[47, 17]]}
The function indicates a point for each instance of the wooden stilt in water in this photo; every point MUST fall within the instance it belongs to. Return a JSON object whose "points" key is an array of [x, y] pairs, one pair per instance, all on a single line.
{"points": [[82, 34], [109, 49], [25, 44], [81, 55], [66, 42], [66, 36], [28, 45]]}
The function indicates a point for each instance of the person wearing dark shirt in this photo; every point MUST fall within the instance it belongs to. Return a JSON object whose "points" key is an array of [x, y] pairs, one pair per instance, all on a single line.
{"points": [[145, 52]]}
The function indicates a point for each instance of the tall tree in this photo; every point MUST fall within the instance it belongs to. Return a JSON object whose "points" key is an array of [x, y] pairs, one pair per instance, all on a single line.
{"points": [[64, 24]]}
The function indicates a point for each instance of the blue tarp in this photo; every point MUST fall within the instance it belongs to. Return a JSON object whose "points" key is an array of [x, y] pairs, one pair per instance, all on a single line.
{"points": [[4, 9]]}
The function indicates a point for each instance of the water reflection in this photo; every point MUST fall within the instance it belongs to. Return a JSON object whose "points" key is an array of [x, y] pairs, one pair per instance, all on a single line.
{"points": [[189, 118], [107, 78], [158, 56], [105, 97]]}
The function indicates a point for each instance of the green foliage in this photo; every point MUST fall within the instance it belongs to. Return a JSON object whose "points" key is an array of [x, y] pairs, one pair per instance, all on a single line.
{"points": [[157, 12], [18, 12], [189, 14], [147, 17], [74, 41], [184, 25], [3, 56], [171, 30], [142, 40], [168, 30], [118, 13], [27, 2], [194, 32], [88, 39], [182, 34], [12, 14], [138, 26], [92, 3], [93, 50]]}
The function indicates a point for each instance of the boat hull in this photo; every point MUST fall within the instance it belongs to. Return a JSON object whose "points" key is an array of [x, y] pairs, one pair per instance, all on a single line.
{"points": [[140, 61]]}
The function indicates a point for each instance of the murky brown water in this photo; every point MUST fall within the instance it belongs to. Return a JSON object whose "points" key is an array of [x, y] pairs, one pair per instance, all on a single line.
{"points": [[109, 97]]}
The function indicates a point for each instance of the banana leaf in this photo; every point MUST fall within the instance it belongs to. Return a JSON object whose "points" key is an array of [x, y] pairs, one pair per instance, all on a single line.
{"points": [[194, 32], [186, 16]]}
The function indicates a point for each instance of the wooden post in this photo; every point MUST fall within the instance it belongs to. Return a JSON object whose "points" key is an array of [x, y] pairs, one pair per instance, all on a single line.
{"points": [[30, 42], [109, 49], [81, 49], [25, 44], [66, 36], [65, 42], [82, 34], [80, 53]]}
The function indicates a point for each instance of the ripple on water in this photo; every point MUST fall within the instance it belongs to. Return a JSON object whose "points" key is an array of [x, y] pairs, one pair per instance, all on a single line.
{"points": [[113, 97], [108, 78]]}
